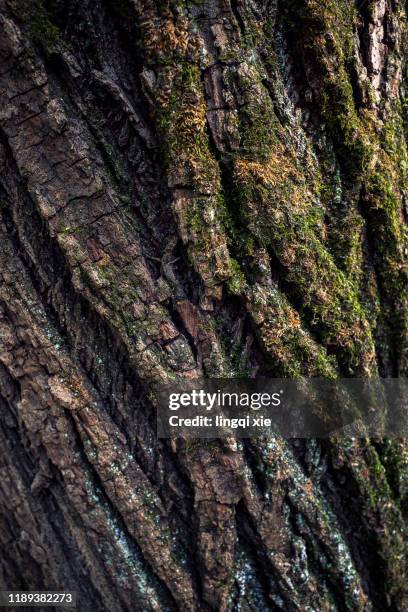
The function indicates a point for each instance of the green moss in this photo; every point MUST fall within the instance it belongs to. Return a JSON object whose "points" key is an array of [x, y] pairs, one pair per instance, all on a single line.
{"points": [[385, 188], [182, 122], [324, 34], [292, 352], [237, 282], [371, 155], [258, 124], [394, 454], [280, 218], [43, 31], [257, 121]]}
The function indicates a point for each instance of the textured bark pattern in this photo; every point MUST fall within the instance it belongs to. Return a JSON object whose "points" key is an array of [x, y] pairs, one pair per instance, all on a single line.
{"points": [[191, 188]]}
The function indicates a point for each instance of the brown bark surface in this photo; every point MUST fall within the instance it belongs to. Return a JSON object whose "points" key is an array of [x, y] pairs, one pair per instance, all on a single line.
{"points": [[199, 188]]}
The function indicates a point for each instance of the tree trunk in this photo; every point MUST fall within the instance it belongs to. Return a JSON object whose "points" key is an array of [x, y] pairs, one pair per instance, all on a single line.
{"points": [[199, 188]]}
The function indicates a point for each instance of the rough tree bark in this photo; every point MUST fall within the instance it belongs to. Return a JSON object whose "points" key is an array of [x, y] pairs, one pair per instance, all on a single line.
{"points": [[190, 188]]}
